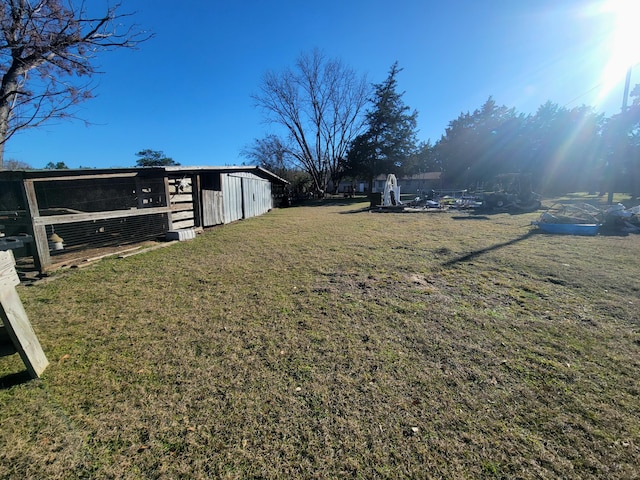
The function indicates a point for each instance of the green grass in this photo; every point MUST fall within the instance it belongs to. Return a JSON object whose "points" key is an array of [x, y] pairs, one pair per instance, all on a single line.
{"points": [[329, 342]]}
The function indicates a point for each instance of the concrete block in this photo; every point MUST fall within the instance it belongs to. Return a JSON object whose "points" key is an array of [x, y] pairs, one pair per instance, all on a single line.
{"points": [[181, 235]]}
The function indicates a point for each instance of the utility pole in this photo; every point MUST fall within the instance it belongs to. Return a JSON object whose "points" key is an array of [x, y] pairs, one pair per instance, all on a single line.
{"points": [[625, 96]]}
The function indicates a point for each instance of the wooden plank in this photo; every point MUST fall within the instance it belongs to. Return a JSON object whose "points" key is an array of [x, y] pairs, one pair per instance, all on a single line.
{"points": [[178, 216], [83, 217], [212, 211], [21, 333], [181, 207], [84, 177], [41, 256], [167, 196], [183, 224], [42, 248], [8, 275], [181, 197]]}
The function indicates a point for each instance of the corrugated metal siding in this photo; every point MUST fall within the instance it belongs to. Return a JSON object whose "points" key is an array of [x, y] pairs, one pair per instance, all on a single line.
{"points": [[256, 195], [232, 193], [245, 196]]}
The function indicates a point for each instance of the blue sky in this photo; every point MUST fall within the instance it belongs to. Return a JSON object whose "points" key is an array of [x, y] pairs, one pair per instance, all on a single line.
{"points": [[188, 91]]}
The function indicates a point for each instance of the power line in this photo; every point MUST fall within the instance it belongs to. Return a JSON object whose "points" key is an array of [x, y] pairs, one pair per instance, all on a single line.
{"points": [[583, 94]]}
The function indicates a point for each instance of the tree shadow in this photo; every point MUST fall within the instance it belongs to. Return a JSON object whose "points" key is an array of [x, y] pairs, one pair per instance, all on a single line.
{"points": [[357, 210], [13, 379], [470, 217], [331, 201], [471, 255]]}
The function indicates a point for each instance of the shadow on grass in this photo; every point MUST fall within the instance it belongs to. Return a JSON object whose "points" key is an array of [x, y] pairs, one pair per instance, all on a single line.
{"points": [[357, 210], [477, 253], [13, 379], [470, 217], [329, 202]]}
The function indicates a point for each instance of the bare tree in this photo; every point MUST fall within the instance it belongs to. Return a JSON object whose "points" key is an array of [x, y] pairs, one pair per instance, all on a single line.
{"points": [[270, 153], [320, 104], [13, 164], [47, 52]]}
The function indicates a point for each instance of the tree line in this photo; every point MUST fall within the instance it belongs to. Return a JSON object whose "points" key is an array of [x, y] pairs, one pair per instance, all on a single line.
{"points": [[336, 127]]}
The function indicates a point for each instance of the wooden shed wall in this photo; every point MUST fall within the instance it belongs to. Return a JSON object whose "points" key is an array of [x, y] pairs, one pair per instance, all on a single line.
{"points": [[110, 208], [86, 210], [181, 196], [212, 208]]}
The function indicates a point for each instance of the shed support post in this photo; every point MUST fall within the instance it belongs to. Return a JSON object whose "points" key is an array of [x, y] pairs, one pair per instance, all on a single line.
{"points": [[167, 196], [196, 194], [41, 257]]}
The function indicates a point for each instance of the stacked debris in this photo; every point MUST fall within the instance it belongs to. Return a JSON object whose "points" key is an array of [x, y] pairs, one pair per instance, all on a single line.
{"points": [[617, 218], [586, 219]]}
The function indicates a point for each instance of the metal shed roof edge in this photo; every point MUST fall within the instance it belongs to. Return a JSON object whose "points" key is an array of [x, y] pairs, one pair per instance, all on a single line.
{"points": [[33, 174]]}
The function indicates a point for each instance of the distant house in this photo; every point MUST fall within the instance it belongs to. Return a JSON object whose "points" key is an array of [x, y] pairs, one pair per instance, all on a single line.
{"points": [[93, 208], [410, 184], [414, 184]]}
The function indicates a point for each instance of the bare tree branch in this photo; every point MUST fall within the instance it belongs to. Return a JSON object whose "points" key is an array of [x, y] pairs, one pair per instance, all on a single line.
{"points": [[320, 105], [47, 53]]}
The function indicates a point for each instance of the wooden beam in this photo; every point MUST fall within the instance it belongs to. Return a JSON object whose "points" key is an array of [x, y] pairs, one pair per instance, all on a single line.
{"points": [[89, 216], [181, 207], [8, 275], [16, 326], [167, 196], [84, 177], [181, 198], [41, 256], [21, 333], [182, 215]]}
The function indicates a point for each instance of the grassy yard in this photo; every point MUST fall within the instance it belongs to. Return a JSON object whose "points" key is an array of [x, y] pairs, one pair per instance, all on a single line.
{"points": [[330, 342]]}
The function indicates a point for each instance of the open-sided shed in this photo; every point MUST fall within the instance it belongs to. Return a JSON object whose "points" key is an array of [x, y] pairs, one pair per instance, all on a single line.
{"points": [[62, 210]]}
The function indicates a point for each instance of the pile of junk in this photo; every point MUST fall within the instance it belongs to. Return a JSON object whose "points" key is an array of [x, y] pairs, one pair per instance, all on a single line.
{"points": [[509, 193], [587, 219]]}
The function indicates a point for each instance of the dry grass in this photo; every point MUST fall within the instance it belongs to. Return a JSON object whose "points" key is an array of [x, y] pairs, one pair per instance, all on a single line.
{"points": [[328, 342]]}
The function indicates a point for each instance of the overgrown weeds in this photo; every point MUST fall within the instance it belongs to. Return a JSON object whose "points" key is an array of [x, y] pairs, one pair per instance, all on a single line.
{"points": [[336, 343]]}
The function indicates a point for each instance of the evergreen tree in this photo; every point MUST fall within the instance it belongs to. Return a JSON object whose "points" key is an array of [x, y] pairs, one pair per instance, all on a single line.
{"points": [[56, 166], [154, 158], [476, 147], [566, 151], [390, 140]]}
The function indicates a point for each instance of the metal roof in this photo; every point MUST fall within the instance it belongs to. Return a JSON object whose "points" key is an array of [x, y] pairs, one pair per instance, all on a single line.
{"points": [[89, 172]]}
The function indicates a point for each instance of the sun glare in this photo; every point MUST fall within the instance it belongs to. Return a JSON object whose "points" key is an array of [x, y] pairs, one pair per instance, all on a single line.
{"points": [[624, 41]]}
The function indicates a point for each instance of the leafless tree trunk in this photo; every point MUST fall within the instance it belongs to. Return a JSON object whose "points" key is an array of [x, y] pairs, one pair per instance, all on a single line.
{"points": [[46, 48], [320, 104]]}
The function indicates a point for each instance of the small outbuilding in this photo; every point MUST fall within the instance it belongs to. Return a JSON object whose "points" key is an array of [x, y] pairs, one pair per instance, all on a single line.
{"points": [[51, 211]]}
